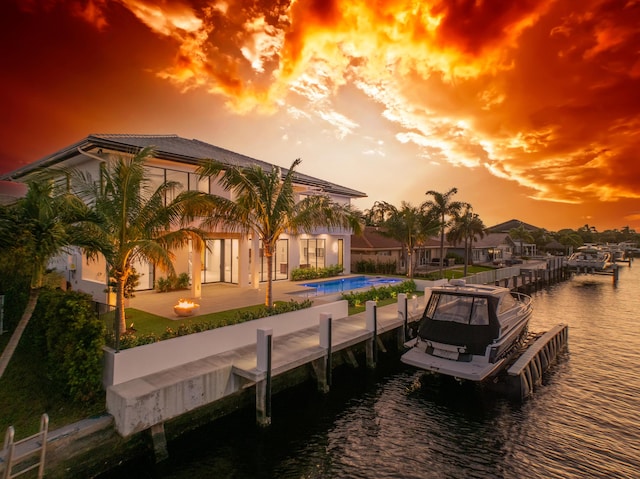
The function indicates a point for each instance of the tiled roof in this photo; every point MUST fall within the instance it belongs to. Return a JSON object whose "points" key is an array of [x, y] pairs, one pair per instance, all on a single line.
{"points": [[372, 239], [511, 224], [491, 240], [173, 148]]}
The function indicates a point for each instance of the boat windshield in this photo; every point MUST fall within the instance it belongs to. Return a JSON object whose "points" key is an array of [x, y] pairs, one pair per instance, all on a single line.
{"points": [[459, 309], [508, 302]]}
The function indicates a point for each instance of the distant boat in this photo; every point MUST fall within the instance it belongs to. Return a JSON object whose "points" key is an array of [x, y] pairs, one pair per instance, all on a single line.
{"points": [[590, 258], [469, 331]]}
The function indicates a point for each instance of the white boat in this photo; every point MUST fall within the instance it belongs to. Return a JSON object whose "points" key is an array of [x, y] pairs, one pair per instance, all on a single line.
{"points": [[469, 331], [590, 258]]}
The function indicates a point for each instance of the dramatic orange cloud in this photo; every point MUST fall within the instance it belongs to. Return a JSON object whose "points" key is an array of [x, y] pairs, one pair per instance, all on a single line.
{"points": [[537, 98]]}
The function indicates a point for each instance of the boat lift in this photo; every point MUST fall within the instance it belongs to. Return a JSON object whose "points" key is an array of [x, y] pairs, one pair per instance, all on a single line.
{"points": [[526, 372]]}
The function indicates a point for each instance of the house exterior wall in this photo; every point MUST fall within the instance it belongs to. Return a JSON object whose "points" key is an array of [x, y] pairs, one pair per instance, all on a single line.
{"points": [[91, 276]]}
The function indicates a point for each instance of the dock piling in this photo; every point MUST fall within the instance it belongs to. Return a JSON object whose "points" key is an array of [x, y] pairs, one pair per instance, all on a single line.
{"points": [[403, 314], [159, 440], [263, 387], [324, 379], [371, 320]]}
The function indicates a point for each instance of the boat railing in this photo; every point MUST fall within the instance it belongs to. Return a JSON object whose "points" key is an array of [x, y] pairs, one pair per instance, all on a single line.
{"points": [[525, 299]]}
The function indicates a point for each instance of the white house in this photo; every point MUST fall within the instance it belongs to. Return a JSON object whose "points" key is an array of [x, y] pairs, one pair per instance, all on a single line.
{"points": [[229, 257]]}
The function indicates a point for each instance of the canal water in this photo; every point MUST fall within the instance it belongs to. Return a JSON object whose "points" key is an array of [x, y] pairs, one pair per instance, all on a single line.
{"points": [[583, 422]]}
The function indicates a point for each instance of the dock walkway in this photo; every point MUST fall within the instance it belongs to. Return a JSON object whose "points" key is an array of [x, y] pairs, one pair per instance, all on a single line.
{"points": [[150, 400]]}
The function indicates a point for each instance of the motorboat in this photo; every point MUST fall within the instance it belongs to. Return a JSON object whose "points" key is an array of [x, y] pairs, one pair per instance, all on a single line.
{"points": [[590, 258], [469, 331]]}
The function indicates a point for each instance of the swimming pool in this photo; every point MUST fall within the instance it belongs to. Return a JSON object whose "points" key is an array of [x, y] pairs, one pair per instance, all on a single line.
{"points": [[348, 284]]}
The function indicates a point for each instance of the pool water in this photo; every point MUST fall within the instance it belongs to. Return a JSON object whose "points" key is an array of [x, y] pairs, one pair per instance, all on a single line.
{"points": [[348, 284]]}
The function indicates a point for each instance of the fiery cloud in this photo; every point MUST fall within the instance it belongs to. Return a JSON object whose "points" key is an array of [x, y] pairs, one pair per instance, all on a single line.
{"points": [[540, 92]]}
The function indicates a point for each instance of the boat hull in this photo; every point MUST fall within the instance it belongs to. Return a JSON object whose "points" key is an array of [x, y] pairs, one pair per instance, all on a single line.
{"points": [[477, 370], [480, 368]]}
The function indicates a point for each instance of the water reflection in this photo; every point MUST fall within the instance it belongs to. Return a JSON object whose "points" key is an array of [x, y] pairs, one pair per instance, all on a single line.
{"points": [[395, 423]]}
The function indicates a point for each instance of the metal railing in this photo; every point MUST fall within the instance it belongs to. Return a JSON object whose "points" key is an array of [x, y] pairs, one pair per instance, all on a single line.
{"points": [[13, 455]]}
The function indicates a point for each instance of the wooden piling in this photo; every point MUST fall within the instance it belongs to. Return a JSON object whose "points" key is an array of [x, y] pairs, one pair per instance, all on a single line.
{"points": [[159, 440], [371, 320], [263, 387], [324, 375]]}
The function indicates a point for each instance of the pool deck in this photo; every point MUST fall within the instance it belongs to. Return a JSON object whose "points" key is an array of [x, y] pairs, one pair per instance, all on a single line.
{"points": [[217, 297]]}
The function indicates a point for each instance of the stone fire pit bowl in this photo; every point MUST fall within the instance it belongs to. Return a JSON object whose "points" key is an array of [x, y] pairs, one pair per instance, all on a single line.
{"points": [[184, 309]]}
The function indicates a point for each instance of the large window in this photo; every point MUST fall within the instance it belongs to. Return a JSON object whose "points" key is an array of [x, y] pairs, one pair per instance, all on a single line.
{"points": [[280, 261], [312, 253], [220, 261], [180, 178], [186, 181]]}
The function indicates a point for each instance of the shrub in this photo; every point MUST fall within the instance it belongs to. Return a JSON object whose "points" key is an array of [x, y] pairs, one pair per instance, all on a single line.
{"points": [[299, 274], [172, 283], [182, 281], [374, 267], [72, 336], [376, 294], [131, 340]]}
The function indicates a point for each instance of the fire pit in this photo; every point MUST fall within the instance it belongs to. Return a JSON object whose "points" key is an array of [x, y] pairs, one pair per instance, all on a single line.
{"points": [[185, 308]]}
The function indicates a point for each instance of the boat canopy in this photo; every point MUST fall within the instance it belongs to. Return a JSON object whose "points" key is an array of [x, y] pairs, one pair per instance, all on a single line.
{"points": [[461, 320]]}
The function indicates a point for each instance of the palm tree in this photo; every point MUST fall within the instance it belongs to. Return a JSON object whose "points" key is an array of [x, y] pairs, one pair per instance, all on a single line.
{"points": [[570, 239], [409, 225], [265, 204], [522, 235], [444, 207], [379, 213], [35, 229], [137, 221], [466, 227]]}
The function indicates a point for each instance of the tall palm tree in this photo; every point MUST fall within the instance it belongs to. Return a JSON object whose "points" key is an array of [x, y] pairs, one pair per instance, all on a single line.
{"points": [[444, 207], [35, 229], [378, 213], [138, 221], [409, 225], [466, 227], [264, 203], [522, 235]]}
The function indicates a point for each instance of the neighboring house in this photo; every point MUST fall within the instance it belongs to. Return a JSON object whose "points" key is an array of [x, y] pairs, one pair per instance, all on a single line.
{"points": [[511, 224], [492, 248], [373, 246], [526, 249], [229, 257]]}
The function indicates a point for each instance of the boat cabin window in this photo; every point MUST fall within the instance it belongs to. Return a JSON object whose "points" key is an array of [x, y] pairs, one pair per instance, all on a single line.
{"points": [[508, 302], [459, 309]]}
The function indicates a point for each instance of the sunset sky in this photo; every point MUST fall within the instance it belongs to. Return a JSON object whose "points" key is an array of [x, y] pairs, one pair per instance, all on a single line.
{"points": [[531, 108]]}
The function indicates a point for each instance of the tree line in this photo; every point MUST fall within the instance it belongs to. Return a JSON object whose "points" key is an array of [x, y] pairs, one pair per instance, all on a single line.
{"points": [[441, 215]]}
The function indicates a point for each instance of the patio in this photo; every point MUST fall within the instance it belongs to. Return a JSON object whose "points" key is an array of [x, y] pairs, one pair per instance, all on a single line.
{"points": [[220, 297]]}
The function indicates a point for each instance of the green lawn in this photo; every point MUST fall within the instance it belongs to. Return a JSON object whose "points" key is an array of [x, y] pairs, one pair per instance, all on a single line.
{"points": [[146, 323]]}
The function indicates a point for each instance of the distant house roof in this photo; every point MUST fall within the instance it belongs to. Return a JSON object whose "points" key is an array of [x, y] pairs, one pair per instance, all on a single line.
{"points": [[172, 148], [372, 239], [493, 240], [512, 224]]}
